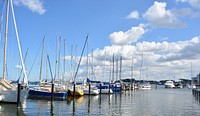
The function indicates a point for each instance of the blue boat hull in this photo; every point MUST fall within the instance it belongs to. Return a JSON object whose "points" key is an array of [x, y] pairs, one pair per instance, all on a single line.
{"points": [[44, 94]]}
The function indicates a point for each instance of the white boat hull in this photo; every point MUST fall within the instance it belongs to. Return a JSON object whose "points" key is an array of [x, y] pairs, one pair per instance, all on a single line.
{"points": [[106, 91], [10, 96], [92, 91]]}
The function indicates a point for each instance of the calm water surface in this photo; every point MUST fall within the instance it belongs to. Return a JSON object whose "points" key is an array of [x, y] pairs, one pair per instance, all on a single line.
{"points": [[155, 102]]}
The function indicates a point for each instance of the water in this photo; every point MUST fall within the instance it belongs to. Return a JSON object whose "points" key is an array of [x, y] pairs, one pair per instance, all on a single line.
{"points": [[160, 102]]}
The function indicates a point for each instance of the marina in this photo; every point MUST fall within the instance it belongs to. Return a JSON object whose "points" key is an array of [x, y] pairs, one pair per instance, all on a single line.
{"points": [[140, 71], [154, 102]]}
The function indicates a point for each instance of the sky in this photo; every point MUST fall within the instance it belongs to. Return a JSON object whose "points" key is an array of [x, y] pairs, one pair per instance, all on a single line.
{"points": [[157, 39]]}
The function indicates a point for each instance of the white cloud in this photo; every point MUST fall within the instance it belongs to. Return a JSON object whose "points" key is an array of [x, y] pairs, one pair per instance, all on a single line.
{"points": [[193, 3], [159, 16], [18, 66], [189, 50], [33, 5], [163, 60], [133, 15], [182, 12], [128, 37]]}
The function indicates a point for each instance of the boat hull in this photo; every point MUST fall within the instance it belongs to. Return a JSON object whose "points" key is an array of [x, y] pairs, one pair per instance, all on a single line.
{"points": [[92, 91], [45, 94], [10, 96]]}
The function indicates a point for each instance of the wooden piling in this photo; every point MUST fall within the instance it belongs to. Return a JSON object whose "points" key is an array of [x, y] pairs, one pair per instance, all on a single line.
{"points": [[100, 88], [109, 88], [89, 88], [52, 92], [18, 94], [74, 91], [156, 85]]}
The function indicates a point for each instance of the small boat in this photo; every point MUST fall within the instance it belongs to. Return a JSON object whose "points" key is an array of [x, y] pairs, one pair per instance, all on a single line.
{"points": [[45, 92], [116, 87], [8, 92], [145, 86], [93, 91], [78, 91], [104, 89], [169, 84]]}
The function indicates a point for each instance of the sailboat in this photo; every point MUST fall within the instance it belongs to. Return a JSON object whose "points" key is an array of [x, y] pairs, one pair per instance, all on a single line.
{"points": [[44, 90], [9, 92], [143, 85]]}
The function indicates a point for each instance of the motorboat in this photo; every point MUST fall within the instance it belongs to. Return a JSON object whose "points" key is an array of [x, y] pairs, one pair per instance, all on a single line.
{"points": [[169, 84]]}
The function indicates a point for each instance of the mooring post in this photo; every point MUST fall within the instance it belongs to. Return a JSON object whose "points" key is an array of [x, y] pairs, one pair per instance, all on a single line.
{"points": [[74, 91], [109, 88], [18, 94], [156, 85], [52, 91], [89, 87], [100, 88]]}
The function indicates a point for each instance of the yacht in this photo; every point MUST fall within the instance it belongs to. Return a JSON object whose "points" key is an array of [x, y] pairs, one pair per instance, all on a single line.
{"points": [[169, 84]]}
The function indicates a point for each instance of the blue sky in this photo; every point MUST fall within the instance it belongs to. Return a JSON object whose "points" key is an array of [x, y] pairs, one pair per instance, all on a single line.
{"points": [[165, 31]]}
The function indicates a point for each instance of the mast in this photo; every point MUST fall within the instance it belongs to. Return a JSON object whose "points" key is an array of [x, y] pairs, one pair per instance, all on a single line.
{"points": [[41, 61], [141, 66], [113, 68], [5, 41], [120, 69], [87, 67], [64, 61], [59, 58], [71, 62], [132, 69], [117, 72], [25, 81], [80, 57], [92, 65]]}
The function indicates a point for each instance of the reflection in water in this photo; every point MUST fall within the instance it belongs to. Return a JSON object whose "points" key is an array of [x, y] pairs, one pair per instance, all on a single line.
{"points": [[11, 110], [141, 103], [51, 110], [78, 99], [88, 104]]}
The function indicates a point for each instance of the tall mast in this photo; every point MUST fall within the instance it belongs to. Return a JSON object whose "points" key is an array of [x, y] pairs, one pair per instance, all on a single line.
{"points": [[56, 57], [92, 65], [64, 61], [87, 67], [117, 72], [5, 41], [120, 69], [113, 68], [141, 66], [41, 61], [25, 80], [132, 68], [59, 58]]}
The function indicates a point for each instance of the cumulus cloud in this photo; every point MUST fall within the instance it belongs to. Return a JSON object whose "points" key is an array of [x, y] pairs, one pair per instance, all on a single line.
{"points": [[133, 15], [182, 12], [159, 58], [33, 5], [159, 16], [128, 37], [193, 3], [188, 50]]}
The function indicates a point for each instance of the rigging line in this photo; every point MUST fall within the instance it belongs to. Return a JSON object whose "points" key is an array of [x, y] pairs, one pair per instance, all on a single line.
{"points": [[81, 57], [34, 59], [25, 81], [50, 67], [24, 62]]}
